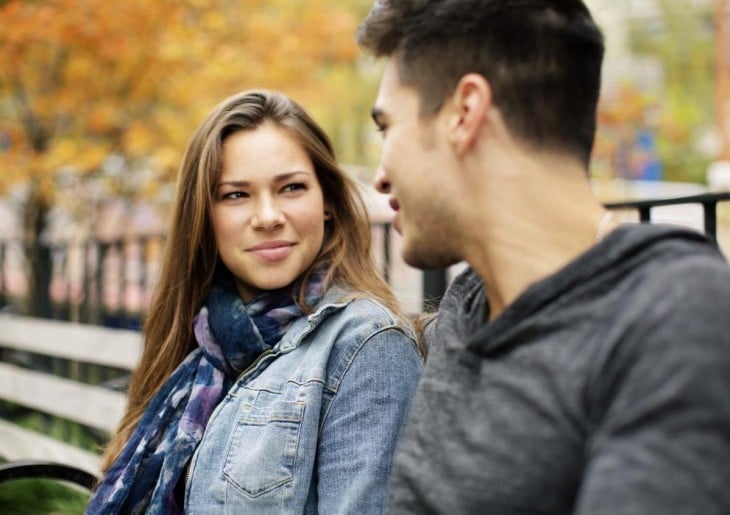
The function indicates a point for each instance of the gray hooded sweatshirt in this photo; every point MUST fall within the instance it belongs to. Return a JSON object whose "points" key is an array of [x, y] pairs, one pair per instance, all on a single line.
{"points": [[603, 389]]}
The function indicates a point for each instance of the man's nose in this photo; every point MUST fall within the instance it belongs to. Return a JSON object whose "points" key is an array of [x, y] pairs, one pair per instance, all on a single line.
{"points": [[381, 181]]}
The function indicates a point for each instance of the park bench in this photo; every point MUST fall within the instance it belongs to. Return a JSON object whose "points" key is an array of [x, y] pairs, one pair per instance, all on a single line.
{"points": [[98, 407]]}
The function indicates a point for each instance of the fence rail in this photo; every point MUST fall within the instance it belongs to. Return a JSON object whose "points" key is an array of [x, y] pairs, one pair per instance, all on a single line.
{"points": [[708, 201]]}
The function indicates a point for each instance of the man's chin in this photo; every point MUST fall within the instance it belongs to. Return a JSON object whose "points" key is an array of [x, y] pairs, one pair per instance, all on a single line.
{"points": [[424, 259], [396, 225]]}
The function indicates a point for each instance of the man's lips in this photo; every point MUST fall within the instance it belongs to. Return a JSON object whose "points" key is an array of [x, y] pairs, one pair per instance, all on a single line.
{"points": [[272, 250]]}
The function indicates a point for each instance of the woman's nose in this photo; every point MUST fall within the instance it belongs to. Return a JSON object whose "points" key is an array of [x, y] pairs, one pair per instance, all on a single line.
{"points": [[268, 215]]}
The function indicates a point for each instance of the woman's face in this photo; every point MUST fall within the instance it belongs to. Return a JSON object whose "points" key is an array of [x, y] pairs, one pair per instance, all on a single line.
{"points": [[268, 211]]}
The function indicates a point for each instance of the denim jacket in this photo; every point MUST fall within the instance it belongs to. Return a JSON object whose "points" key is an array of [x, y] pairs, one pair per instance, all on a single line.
{"points": [[311, 426]]}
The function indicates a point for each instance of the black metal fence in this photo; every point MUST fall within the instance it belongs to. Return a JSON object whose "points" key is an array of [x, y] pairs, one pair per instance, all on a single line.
{"points": [[100, 282], [708, 201], [436, 281], [110, 282]]}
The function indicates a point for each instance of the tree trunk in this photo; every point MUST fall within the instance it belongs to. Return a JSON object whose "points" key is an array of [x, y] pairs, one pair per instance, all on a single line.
{"points": [[37, 254]]}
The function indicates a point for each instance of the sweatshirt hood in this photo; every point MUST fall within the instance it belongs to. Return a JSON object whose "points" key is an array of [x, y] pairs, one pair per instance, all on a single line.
{"points": [[464, 308]]}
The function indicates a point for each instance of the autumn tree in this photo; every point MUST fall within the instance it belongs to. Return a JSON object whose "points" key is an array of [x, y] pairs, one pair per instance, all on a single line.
{"points": [[86, 81]]}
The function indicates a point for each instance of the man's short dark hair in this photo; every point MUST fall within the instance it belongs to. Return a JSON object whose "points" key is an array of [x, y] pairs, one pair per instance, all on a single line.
{"points": [[542, 59]]}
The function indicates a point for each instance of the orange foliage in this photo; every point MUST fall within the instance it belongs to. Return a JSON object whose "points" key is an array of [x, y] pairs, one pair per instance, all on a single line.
{"points": [[80, 79], [627, 106], [620, 115]]}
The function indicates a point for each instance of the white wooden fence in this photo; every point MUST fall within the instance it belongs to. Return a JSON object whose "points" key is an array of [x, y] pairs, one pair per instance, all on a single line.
{"points": [[93, 406]]}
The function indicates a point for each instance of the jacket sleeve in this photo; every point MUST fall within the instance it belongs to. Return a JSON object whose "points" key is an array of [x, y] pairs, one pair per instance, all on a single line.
{"points": [[359, 432], [662, 443]]}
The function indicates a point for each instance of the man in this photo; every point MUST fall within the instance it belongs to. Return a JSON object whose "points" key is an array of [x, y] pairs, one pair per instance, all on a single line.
{"points": [[576, 366]]}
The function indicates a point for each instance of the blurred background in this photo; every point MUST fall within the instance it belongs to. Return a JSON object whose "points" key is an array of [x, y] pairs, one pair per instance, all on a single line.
{"points": [[98, 99]]}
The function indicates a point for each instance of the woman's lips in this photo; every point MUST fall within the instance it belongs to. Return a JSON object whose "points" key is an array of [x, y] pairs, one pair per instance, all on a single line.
{"points": [[272, 250]]}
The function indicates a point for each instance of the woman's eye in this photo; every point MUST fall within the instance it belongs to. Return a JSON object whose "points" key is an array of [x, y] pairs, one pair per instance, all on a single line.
{"points": [[295, 186], [234, 195]]}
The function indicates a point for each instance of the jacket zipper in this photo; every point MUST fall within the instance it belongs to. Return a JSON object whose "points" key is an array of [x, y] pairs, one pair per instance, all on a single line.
{"points": [[256, 362], [267, 353]]}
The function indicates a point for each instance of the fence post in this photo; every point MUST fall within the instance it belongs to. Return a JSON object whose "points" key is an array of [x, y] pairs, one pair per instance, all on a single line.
{"points": [[386, 252], [434, 286], [709, 210], [40, 280], [2, 274]]}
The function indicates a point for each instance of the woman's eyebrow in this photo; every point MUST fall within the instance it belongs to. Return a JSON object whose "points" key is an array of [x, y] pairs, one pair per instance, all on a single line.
{"points": [[277, 178]]}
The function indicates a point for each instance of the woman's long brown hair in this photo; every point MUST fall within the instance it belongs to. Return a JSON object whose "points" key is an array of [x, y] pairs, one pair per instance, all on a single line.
{"points": [[190, 258]]}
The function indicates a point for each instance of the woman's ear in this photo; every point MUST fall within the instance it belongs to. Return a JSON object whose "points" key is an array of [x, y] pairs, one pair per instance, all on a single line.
{"points": [[327, 214], [471, 101]]}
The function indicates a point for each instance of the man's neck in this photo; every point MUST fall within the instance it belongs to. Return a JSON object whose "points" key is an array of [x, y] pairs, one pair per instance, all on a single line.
{"points": [[539, 215]]}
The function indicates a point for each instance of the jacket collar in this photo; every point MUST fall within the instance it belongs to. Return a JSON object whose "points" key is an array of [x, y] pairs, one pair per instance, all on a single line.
{"points": [[334, 299]]}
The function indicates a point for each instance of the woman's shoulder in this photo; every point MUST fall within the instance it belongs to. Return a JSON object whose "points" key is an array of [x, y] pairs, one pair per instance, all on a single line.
{"points": [[371, 315], [367, 331], [366, 306], [370, 322]]}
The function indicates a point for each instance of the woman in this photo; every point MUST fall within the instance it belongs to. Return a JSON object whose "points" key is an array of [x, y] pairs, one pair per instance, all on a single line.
{"points": [[276, 370]]}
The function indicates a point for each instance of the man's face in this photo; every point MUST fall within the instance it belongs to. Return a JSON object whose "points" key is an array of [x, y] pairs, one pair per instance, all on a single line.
{"points": [[415, 170]]}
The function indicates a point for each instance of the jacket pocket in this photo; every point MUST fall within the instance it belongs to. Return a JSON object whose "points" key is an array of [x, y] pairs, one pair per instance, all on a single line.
{"points": [[262, 452]]}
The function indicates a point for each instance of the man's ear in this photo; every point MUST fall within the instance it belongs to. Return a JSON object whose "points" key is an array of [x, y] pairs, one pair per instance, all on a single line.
{"points": [[471, 101]]}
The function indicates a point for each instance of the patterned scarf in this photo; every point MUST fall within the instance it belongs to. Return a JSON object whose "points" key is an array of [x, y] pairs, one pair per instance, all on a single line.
{"points": [[230, 337]]}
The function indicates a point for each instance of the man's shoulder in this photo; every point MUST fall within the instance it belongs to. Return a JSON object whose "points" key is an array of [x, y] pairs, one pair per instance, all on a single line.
{"points": [[688, 272]]}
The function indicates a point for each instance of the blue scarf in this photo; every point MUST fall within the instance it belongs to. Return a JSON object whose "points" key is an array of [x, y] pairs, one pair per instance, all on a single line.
{"points": [[230, 337]]}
